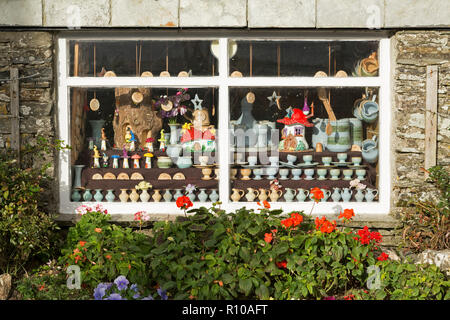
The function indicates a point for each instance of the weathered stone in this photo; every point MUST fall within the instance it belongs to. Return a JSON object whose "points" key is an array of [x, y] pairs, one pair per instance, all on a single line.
{"points": [[21, 12], [150, 13], [5, 286], [412, 13], [440, 258], [219, 13], [350, 14], [281, 14], [76, 13]]}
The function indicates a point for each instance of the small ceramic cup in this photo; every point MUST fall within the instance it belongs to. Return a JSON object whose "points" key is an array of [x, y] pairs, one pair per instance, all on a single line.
{"points": [[309, 174], [252, 160], [342, 157], [356, 161], [258, 173], [348, 173], [335, 174], [296, 174], [246, 174], [322, 173], [233, 173], [307, 158], [291, 159], [271, 172], [284, 174], [326, 161], [361, 174], [274, 161]]}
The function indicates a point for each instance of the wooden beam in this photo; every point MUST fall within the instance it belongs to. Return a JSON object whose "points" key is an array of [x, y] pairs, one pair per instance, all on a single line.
{"points": [[431, 117], [15, 121]]}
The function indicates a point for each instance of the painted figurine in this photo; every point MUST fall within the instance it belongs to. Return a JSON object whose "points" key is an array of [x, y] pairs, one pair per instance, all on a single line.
{"points": [[115, 158], [136, 158], [148, 160], [105, 160], [130, 138], [162, 141], [125, 158], [103, 140], [96, 157]]}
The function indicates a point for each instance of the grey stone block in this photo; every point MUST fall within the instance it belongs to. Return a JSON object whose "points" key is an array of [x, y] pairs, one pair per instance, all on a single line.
{"points": [[144, 13], [76, 13], [281, 14], [217, 13], [21, 12], [413, 13], [350, 14]]}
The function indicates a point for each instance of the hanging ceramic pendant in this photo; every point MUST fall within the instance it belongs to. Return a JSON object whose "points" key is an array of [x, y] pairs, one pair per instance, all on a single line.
{"points": [[94, 104]]}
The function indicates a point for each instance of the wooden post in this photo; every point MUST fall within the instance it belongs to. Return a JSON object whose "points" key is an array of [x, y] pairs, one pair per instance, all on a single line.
{"points": [[15, 121], [431, 117]]}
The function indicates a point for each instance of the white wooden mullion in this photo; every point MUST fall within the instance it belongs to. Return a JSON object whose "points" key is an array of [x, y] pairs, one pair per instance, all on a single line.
{"points": [[224, 116]]}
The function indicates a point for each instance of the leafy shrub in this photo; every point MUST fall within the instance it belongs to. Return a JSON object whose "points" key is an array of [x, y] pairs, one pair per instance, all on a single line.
{"points": [[26, 229], [245, 254], [48, 282], [103, 250], [428, 225]]}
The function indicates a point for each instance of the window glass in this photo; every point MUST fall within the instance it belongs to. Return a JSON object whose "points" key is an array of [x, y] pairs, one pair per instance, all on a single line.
{"points": [[126, 139]]}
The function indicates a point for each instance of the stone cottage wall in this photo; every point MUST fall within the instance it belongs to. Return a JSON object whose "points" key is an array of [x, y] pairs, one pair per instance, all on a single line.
{"points": [[30, 53], [414, 50]]}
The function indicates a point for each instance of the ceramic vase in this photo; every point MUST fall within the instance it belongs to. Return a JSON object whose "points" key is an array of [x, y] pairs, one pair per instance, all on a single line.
{"points": [[202, 196], [87, 195], [96, 127], [110, 197], [156, 196], [237, 194], [123, 195], [370, 194], [251, 194], [77, 179], [167, 196], [191, 195], [144, 196], [263, 195], [173, 133], [134, 196], [213, 196], [177, 194], [98, 196], [275, 195], [336, 196], [76, 196], [302, 194], [289, 195]]}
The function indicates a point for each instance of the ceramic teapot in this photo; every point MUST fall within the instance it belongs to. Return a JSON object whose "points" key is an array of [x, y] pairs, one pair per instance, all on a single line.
{"points": [[370, 150]]}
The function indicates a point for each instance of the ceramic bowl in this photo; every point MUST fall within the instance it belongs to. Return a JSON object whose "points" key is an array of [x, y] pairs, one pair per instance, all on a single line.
{"points": [[184, 162], [342, 157], [326, 160], [356, 160], [307, 158], [164, 162], [291, 158], [252, 160]]}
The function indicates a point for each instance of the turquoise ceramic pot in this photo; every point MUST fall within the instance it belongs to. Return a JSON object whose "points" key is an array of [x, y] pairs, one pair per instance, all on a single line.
{"points": [[110, 197], [98, 196], [87, 196], [184, 162]]}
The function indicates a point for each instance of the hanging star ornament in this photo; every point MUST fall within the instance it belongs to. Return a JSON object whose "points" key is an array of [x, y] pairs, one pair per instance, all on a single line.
{"points": [[274, 100], [197, 102]]}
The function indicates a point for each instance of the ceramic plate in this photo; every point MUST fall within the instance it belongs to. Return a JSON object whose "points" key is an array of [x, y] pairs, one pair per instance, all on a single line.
{"points": [[342, 164], [200, 166], [305, 165], [287, 165]]}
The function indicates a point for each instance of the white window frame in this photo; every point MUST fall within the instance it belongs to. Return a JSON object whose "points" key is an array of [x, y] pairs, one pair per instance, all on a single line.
{"points": [[223, 81]]}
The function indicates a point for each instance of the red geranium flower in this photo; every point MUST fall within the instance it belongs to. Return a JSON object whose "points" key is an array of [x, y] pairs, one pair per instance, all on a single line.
{"points": [[324, 225], [347, 214], [317, 194], [268, 237], [184, 202], [383, 257], [282, 264]]}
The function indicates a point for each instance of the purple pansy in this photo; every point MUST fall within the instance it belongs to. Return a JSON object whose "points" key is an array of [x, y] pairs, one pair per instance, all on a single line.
{"points": [[162, 294], [121, 283], [115, 296]]}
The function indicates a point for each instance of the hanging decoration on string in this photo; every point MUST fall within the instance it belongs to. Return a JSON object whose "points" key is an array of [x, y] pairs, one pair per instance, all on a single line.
{"points": [[94, 104], [275, 99]]}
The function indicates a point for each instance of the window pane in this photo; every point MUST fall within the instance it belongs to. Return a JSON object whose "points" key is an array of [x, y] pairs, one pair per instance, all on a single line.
{"points": [[304, 58], [131, 58], [291, 144], [128, 136]]}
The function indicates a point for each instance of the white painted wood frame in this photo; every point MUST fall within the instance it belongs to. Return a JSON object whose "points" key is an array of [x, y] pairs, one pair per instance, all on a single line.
{"points": [[224, 82]]}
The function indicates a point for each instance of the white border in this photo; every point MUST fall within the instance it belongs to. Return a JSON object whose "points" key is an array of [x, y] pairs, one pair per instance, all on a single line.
{"points": [[223, 81]]}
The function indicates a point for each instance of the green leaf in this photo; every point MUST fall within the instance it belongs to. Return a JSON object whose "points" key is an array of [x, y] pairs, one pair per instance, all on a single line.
{"points": [[245, 285], [253, 231], [244, 254], [380, 295]]}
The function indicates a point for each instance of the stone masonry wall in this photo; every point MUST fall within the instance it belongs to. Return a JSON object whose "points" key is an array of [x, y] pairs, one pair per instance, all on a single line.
{"points": [[31, 53], [414, 51]]}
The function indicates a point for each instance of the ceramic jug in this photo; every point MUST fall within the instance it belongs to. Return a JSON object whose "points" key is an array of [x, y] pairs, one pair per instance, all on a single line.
{"points": [[359, 196], [156, 196], [237, 194], [370, 150], [275, 195], [369, 111], [263, 195], [213, 196], [302, 194], [252, 194], [134, 196], [346, 194], [319, 135], [123, 196], [289, 194], [167, 196], [370, 194], [202, 196], [110, 197], [336, 196], [144, 196]]}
